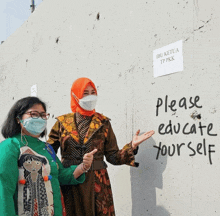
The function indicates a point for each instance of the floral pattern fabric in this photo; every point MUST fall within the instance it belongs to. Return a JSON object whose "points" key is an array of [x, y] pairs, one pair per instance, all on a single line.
{"points": [[103, 193], [94, 196]]}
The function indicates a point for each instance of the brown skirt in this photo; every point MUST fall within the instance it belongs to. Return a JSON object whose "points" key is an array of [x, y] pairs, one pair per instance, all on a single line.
{"points": [[92, 198]]}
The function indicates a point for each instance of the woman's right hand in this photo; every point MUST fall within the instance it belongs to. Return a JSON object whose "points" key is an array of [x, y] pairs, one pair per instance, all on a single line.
{"points": [[87, 159]]}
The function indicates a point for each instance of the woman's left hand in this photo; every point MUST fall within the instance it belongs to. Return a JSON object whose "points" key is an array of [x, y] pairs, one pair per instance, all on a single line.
{"points": [[88, 158], [137, 140]]}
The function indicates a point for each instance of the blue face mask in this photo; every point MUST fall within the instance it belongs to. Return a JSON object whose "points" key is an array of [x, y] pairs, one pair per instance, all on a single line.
{"points": [[34, 126]]}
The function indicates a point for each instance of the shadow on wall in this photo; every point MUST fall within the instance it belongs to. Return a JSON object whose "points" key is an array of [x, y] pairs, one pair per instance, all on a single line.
{"points": [[145, 179]]}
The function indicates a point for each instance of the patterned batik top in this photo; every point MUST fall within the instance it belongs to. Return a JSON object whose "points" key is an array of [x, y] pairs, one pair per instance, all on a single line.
{"points": [[82, 123]]}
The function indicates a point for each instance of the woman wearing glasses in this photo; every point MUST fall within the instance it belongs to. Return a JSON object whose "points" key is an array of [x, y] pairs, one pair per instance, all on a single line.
{"points": [[30, 172]]}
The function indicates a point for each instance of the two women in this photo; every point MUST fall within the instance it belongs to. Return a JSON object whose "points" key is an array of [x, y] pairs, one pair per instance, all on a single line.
{"points": [[80, 132], [30, 172]]}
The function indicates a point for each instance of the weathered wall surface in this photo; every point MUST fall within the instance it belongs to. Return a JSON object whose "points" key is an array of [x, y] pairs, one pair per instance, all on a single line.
{"points": [[62, 41]]}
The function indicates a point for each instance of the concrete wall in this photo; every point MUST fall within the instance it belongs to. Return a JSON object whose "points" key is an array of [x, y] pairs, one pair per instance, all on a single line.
{"points": [[62, 41]]}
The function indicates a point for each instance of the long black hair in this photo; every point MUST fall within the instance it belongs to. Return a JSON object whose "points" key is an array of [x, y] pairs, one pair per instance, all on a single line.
{"points": [[11, 127]]}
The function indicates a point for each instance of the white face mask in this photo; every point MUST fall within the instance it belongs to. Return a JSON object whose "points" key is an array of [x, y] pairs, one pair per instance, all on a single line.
{"points": [[88, 103]]}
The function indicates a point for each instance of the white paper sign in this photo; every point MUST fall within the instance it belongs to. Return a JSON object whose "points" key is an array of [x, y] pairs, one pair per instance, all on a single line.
{"points": [[34, 90], [168, 59]]}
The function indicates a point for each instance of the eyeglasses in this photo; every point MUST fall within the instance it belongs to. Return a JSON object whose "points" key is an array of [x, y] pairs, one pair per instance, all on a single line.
{"points": [[36, 115]]}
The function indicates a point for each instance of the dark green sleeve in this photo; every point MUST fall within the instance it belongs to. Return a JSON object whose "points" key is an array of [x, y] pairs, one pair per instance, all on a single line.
{"points": [[66, 175], [9, 153]]}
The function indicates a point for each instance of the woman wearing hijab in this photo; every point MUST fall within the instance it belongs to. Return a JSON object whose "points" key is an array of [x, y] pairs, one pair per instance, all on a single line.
{"points": [[80, 132]]}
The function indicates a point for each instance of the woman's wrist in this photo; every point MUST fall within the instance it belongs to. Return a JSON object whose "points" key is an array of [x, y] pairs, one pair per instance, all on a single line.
{"points": [[133, 146], [78, 171], [83, 167]]}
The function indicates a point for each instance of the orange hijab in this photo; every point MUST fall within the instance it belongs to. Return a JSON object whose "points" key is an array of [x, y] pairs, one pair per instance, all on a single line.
{"points": [[78, 88]]}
